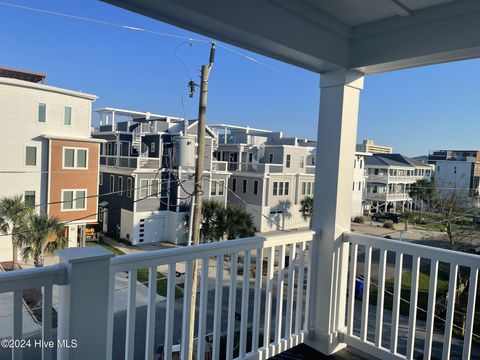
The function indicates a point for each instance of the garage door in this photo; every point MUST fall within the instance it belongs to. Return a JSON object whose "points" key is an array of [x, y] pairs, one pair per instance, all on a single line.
{"points": [[154, 229]]}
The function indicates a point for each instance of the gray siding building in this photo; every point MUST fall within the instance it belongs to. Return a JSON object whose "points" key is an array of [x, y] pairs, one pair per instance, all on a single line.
{"points": [[147, 170]]}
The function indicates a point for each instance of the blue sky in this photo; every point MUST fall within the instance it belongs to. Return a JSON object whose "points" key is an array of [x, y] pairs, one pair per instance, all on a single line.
{"points": [[412, 110]]}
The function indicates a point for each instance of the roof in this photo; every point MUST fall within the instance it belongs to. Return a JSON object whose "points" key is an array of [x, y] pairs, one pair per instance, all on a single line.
{"points": [[370, 35], [392, 160], [73, 138], [22, 75], [48, 88]]}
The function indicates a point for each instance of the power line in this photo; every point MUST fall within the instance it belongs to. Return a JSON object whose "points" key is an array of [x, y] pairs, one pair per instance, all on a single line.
{"points": [[157, 33]]}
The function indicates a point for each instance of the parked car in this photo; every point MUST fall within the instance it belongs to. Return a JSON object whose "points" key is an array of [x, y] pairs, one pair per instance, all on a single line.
{"points": [[386, 216]]}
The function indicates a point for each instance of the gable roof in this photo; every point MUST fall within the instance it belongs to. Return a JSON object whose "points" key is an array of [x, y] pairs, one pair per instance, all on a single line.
{"points": [[392, 160]]}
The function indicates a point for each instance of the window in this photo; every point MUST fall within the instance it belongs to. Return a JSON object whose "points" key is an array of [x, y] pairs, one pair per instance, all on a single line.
{"points": [[67, 116], [270, 158], [100, 179], [361, 163], [143, 191], [280, 188], [454, 169], [213, 190], [129, 187], [304, 188], [359, 186], [287, 185], [309, 188], [31, 156], [221, 187], [154, 191], [255, 187], [250, 157], [75, 158], [275, 188], [353, 186], [29, 198], [120, 185], [244, 186], [73, 200], [354, 163], [302, 162], [152, 147], [42, 112], [112, 183], [234, 185], [289, 157]]}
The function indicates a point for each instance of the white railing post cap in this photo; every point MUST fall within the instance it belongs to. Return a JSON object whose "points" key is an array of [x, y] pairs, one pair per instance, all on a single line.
{"points": [[83, 254]]}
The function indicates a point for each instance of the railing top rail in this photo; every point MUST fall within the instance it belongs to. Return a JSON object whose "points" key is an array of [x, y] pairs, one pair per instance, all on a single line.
{"points": [[423, 251], [170, 256], [33, 278]]}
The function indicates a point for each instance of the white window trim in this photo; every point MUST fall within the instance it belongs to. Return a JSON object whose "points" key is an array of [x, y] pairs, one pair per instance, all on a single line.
{"points": [[71, 115], [156, 193], [142, 188], [213, 188], [73, 200], [120, 188], [112, 183], [25, 155], [75, 158], [221, 187], [38, 113], [129, 187]]}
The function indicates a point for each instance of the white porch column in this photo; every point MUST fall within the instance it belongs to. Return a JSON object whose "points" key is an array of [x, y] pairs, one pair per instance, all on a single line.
{"points": [[337, 130], [83, 305]]}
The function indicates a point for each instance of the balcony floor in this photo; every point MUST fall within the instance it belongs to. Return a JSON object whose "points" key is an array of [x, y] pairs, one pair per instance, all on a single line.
{"points": [[303, 351]]}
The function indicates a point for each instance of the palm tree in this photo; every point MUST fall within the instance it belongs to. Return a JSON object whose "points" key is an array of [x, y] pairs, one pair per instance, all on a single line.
{"points": [[39, 236], [307, 209], [211, 214], [13, 211], [239, 223]]}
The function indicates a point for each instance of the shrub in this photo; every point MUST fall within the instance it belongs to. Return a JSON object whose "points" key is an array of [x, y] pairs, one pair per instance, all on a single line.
{"points": [[388, 224], [358, 220]]}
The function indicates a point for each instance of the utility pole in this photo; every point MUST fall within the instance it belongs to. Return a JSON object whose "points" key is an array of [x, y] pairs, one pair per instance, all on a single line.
{"points": [[197, 211]]}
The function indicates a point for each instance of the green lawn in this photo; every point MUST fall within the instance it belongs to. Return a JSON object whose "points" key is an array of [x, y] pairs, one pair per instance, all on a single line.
{"points": [[423, 283], [142, 274]]}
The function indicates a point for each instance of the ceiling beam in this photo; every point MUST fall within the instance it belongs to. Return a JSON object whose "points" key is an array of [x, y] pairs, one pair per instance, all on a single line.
{"points": [[449, 32], [260, 26]]}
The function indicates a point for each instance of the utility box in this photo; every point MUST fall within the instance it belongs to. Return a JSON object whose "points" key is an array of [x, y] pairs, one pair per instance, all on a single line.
{"points": [[184, 151]]}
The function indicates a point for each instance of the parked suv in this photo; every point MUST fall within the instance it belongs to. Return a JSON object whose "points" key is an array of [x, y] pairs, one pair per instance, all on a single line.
{"points": [[386, 216]]}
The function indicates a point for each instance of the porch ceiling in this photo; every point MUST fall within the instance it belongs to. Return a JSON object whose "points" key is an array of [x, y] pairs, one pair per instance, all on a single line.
{"points": [[322, 35]]}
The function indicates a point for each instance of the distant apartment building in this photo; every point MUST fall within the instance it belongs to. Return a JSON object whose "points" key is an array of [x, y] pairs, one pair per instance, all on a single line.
{"points": [[48, 156], [147, 170], [368, 146], [389, 180], [457, 170], [271, 175]]}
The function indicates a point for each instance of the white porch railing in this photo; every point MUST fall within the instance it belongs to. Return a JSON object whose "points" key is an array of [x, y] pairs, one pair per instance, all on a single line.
{"points": [[17, 281], [367, 334], [257, 309], [280, 318]]}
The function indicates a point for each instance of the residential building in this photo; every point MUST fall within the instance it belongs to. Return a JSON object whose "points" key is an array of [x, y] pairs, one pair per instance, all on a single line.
{"points": [[314, 302], [272, 174], [368, 146], [457, 170], [359, 188], [48, 155], [147, 170], [389, 180]]}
